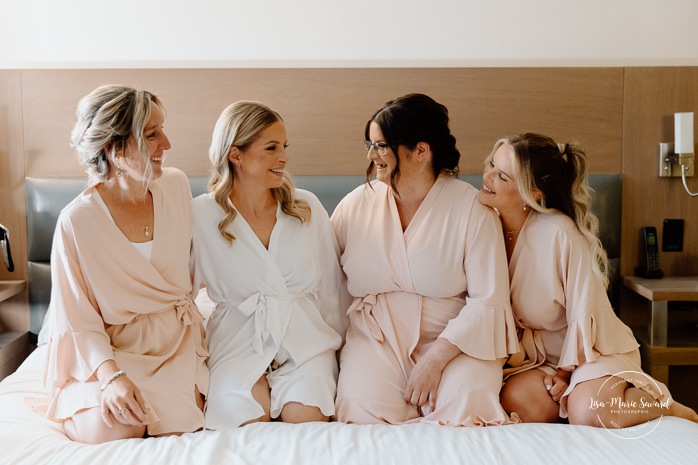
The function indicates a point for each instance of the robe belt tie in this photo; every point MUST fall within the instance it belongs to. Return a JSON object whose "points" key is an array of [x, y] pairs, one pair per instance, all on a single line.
{"points": [[365, 307], [271, 316], [531, 350], [187, 312]]}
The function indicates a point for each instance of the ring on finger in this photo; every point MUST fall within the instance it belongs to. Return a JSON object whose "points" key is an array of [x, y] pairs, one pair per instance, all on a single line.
{"points": [[121, 410]]}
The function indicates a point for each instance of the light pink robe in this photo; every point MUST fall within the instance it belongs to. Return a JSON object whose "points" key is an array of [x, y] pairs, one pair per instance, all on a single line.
{"points": [[445, 276], [562, 310], [109, 302]]}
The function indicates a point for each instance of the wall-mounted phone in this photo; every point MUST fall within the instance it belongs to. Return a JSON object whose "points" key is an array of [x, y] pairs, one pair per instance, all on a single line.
{"points": [[649, 254], [5, 244]]}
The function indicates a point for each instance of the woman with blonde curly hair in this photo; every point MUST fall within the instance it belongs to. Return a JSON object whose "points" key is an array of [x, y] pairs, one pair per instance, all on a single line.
{"points": [[578, 359], [267, 256]]}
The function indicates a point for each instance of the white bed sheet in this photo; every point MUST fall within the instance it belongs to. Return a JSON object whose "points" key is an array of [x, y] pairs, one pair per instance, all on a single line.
{"points": [[27, 438]]}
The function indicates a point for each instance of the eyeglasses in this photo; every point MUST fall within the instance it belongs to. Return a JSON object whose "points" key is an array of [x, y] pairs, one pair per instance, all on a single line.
{"points": [[380, 147]]}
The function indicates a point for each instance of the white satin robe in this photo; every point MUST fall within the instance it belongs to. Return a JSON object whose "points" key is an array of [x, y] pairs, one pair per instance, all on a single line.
{"points": [[277, 306]]}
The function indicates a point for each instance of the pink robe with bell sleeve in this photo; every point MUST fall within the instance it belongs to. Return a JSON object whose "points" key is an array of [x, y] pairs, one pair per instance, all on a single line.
{"points": [[109, 302], [562, 311], [443, 277]]}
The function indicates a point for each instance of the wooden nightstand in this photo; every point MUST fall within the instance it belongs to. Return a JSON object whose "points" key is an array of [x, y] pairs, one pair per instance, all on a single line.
{"points": [[14, 345], [657, 349]]}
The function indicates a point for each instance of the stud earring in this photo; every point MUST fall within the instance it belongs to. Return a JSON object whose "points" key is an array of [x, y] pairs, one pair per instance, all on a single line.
{"points": [[525, 207], [118, 171]]}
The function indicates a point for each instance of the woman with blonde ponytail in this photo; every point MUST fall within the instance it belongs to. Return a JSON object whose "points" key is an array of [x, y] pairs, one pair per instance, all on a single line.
{"points": [[267, 256], [578, 360]]}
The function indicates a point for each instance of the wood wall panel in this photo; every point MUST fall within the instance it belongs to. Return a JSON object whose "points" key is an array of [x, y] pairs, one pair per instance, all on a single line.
{"points": [[325, 110], [14, 315], [12, 170], [652, 96]]}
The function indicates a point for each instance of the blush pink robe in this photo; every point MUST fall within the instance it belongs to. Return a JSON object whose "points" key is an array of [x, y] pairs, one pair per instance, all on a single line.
{"points": [[445, 276], [109, 302], [564, 317]]}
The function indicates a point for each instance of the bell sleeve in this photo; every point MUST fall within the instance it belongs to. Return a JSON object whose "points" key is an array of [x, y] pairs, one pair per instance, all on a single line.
{"points": [[484, 327], [78, 343], [593, 329]]}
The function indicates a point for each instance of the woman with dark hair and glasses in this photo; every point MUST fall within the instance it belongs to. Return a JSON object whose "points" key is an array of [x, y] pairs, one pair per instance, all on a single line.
{"points": [[578, 360], [430, 322]]}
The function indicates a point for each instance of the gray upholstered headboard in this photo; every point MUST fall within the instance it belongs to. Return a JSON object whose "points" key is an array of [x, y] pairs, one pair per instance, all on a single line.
{"points": [[46, 197]]}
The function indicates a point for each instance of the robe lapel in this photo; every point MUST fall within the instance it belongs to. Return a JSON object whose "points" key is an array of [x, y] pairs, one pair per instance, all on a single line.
{"points": [[114, 236], [396, 243], [520, 244], [129, 272], [424, 209]]}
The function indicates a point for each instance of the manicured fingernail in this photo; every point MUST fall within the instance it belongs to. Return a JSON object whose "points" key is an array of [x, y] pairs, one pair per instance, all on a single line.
{"points": [[547, 386]]}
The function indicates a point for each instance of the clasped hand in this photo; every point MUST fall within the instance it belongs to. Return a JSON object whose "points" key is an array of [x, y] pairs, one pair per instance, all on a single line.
{"points": [[425, 377], [123, 401], [423, 383], [556, 386]]}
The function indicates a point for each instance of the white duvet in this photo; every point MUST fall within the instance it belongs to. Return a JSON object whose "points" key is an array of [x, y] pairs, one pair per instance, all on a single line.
{"points": [[27, 438]]}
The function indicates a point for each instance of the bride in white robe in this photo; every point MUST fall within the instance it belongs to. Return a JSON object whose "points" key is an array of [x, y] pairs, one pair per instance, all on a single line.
{"points": [[272, 272]]}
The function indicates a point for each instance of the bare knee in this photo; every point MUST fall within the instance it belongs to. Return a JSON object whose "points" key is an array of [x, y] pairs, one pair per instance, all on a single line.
{"points": [[589, 404], [295, 412], [525, 395], [262, 394], [581, 415], [90, 430], [263, 419], [530, 410]]}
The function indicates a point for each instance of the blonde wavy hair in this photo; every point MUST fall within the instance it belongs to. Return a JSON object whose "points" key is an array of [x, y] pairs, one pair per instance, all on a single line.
{"points": [[107, 118], [558, 171], [239, 125]]}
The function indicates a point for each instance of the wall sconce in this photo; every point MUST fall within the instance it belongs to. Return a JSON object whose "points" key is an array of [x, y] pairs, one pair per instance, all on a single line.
{"points": [[677, 159]]}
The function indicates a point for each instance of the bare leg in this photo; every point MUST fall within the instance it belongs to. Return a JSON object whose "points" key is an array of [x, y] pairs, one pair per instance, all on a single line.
{"points": [[88, 427], [200, 401], [679, 410], [611, 391], [295, 412], [525, 394], [262, 394]]}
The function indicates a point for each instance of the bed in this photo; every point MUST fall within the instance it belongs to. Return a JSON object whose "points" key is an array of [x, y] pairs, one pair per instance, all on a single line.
{"points": [[27, 438]]}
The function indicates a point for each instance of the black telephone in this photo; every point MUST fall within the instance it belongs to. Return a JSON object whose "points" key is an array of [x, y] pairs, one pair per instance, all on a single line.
{"points": [[5, 244], [649, 249]]}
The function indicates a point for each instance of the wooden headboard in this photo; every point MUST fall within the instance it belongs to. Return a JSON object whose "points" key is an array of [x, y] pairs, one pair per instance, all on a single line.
{"points": [[325, 110]]}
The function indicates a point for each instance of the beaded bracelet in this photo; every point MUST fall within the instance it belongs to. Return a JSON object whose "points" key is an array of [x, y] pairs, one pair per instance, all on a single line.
{"points": [[112, 378]]}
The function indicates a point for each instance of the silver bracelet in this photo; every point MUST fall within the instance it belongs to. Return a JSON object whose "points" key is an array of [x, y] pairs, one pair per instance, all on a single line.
{"points": [[112, 378]]}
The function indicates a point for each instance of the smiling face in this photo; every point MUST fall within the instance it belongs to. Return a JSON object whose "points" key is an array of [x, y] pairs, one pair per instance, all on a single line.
{"points": [[156, 142], [264, 160], [384, 164], [499, 189]]}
